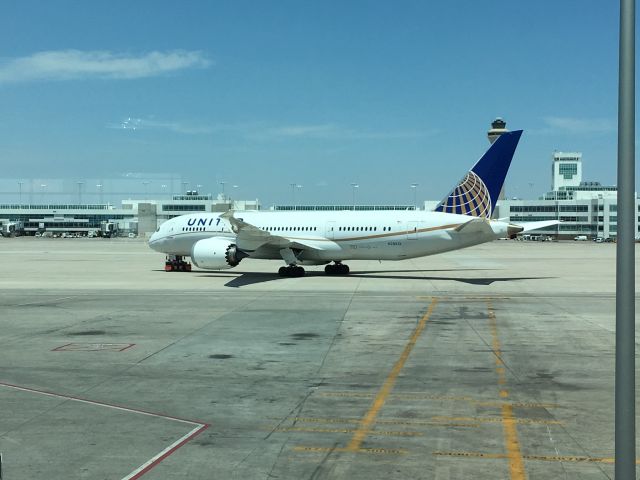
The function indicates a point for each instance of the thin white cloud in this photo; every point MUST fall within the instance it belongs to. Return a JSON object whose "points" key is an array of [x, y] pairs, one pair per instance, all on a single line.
{"points": [[264, 132], [313, 131], [134, 124], [333, 131], [77, 64], [577, 126]]}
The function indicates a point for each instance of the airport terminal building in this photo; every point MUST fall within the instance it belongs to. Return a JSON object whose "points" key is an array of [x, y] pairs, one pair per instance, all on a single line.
{"points": [[583, 208], [135, 217]]}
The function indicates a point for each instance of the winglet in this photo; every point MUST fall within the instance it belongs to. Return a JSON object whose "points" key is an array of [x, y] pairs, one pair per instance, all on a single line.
{"points": [[477, 193]]}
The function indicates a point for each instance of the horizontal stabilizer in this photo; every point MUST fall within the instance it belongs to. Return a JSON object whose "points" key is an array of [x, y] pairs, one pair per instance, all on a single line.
{"points": [[477, 225], [528, 226]]}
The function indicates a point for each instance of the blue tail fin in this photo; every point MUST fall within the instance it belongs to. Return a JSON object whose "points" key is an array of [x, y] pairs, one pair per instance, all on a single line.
{"points": [[477, 193]]}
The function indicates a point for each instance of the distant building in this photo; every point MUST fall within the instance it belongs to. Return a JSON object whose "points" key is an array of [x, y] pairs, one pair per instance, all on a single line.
{"points": [[566, 170], [583, 208], [498, 127], [315, 208], [133, 216]]}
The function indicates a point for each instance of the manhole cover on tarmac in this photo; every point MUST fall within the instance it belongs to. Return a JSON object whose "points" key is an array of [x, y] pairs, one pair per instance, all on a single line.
{"points": [[94, 347]]}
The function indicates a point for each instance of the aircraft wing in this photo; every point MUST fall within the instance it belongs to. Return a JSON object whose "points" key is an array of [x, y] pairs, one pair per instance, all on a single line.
{"points": [[528, 226], [249, 237]]}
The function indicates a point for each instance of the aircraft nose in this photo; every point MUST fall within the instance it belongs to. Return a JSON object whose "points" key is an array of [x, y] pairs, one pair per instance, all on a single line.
{"points": [[154, 241]]}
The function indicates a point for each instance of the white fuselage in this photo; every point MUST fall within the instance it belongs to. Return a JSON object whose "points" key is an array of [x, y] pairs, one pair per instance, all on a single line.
{"points": [[332, 235]]}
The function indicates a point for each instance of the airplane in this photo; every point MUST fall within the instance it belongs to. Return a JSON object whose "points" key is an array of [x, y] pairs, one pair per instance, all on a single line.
{"points": [[219, 241]]}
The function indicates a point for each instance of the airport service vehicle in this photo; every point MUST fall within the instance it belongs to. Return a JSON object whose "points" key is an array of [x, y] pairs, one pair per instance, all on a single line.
{"points": [[221, 241], [108, 229], [12, 229], [580, 238]]}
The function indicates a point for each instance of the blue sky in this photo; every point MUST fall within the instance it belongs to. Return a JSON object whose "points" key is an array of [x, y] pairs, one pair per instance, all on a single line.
{"points": [[321, 94]]}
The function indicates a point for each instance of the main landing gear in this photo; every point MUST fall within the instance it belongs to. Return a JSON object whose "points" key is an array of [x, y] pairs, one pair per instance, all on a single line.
{"points": [[291, 271], [338, 268], [176, 263]]}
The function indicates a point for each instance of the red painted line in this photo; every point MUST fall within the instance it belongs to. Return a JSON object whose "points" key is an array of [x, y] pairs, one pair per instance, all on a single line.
{"points": [[172, 450], [153, 461], [104, 404]]}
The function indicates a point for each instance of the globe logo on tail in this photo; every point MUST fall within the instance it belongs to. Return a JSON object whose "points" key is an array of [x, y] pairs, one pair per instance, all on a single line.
{"points": [[471, 197]]}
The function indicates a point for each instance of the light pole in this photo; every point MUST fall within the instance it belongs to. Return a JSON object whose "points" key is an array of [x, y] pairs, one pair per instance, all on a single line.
{"points": [[222, 183], [293, 193], [184, 187], [146, 188], [353, 193], [299, 187], [43, 186], [99, 186], [625, 373], [80, 192], [164, 190], [414, 187], [20, 191]]}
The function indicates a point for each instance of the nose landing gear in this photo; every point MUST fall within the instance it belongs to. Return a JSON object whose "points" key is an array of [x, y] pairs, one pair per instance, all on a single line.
{"points": [[176, 263]]}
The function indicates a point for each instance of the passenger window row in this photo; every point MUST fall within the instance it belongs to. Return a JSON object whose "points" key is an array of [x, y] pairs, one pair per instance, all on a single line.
{"points": [[301, 229], [193, 229], [291, 229], [363, 229], [358, 229]]}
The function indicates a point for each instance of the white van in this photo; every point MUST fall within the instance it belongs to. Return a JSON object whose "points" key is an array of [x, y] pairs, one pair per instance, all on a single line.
{"points": [[580, 238]]}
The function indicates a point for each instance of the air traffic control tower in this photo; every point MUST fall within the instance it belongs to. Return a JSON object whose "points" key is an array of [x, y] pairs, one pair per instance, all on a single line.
{"points": [[498, 127]]}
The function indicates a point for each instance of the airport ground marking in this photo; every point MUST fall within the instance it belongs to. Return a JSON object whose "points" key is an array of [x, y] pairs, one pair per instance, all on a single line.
{"points": [[450, 398], [41, 303], [199, 427], [463, 298], [389, 421], [374, 433], [523, 421], [94, 347], [367, 421], [541, 458], [512, 443], [435, 421], [371, 451]]}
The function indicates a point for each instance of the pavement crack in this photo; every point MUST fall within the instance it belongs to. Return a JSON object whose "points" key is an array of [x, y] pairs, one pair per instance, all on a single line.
{"points": [[338, 329], [315, 475], [295, 411]]}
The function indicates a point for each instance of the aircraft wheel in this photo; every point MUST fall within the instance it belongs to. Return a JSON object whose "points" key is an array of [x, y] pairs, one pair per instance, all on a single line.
{"points": [[343, 269], [297, 271], [282, 271]]}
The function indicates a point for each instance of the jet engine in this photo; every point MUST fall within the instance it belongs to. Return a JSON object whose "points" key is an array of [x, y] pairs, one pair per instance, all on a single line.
{"points": [[216, 254]]}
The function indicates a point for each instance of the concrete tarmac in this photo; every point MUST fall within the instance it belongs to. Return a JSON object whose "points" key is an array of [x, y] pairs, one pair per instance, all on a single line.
{"points": [[490, 362]]}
